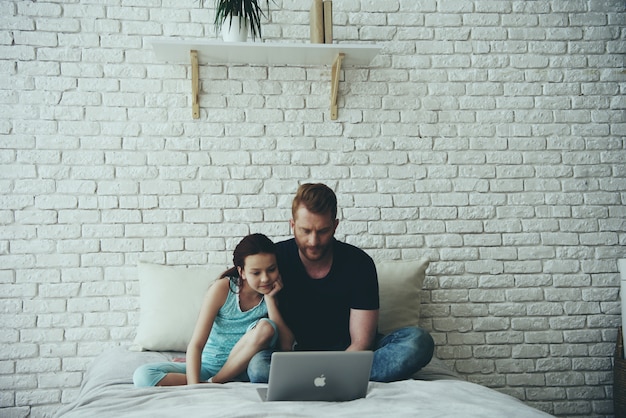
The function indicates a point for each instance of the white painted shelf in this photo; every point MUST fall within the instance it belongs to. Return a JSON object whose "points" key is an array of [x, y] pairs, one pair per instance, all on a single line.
{"points": [[257, 53]]}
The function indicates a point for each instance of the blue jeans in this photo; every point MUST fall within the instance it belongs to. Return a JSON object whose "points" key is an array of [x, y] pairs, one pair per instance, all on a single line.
{"points": [[397, 356]]}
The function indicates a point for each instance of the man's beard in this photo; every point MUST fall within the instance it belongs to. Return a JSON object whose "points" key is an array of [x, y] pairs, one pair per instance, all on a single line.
{"points": [[317, 254]]}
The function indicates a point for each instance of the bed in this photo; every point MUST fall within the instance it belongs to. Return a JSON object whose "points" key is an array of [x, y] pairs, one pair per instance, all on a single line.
{"points": [[169, 300]]}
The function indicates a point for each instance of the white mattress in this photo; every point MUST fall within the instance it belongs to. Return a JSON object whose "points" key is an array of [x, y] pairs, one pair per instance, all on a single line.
{"points": [[107, 391]]}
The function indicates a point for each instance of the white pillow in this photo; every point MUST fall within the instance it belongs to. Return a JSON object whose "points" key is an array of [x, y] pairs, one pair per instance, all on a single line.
{"points": [[170, 299], [169, 302], [400, 286]]}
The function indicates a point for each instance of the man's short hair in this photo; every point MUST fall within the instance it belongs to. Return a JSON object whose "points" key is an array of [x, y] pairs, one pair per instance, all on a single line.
{"points": [[315, 197]]}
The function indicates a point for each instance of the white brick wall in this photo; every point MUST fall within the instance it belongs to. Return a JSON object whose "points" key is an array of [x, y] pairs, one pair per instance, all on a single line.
{"points": [[488, 136]]}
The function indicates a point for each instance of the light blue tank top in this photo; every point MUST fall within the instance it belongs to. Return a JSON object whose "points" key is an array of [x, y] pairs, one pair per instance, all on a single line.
{"points": [[229, 326]]}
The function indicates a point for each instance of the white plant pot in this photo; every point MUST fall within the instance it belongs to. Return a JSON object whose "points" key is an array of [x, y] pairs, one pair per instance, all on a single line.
{"points": [[232, 31]]}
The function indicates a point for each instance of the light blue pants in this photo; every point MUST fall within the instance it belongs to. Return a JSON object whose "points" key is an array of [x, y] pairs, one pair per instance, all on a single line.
{"points": [[153, 373]]}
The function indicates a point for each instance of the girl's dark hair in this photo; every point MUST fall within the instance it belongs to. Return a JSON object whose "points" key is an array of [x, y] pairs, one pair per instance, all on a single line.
{"points": [[250, 245]]}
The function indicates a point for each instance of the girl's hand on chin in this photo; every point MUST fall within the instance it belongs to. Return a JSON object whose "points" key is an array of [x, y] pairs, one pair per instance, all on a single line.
{"points": [[276, 287]]}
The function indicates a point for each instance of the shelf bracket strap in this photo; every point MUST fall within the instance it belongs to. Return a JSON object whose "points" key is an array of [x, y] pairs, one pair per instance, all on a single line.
{"points": [[336, 71], [195, 102]]}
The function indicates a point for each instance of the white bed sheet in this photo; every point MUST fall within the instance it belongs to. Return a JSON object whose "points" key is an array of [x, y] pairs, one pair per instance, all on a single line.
{"points": [[107, 391]]}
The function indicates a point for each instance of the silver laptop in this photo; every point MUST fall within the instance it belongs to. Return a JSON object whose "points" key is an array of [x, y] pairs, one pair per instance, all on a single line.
{"points": [[318, 376]]}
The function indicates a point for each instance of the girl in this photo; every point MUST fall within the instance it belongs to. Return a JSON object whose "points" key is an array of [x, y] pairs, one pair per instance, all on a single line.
{"points": [[239, 317]]}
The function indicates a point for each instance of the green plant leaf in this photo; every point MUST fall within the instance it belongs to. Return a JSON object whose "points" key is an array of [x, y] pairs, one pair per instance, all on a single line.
{"points": [[249, 9]]}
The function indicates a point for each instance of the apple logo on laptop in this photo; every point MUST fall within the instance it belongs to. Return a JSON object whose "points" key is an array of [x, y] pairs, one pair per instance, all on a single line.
{"points": [[320, 381]]}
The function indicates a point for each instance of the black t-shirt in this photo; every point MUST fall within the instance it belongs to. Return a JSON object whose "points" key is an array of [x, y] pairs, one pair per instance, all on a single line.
{"points": [[318, 310]]}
